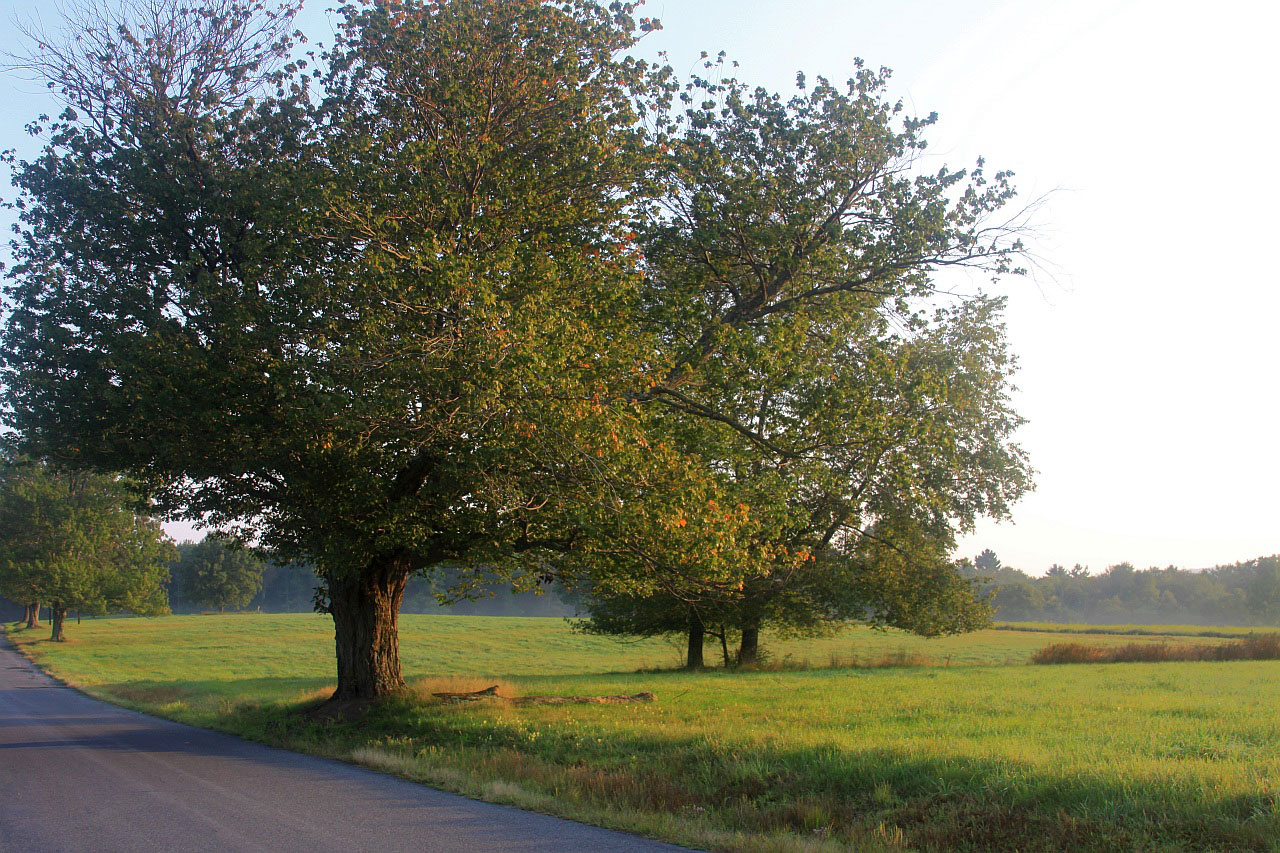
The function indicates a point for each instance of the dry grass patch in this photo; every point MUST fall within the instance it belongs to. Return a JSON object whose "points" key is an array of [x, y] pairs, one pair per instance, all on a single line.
{"points": [[902, 658], [316, 695], [1258, 647]]}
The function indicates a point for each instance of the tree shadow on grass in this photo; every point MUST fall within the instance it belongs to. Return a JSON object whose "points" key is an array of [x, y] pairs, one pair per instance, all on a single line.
{"points": [[215, 703]]}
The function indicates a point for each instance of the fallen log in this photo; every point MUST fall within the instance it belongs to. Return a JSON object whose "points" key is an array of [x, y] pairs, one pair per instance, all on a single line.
{"points": [[582, 700], [492, 693], [487, 693]]}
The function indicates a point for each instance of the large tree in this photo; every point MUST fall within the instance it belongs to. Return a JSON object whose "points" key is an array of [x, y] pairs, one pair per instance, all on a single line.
{"points": [[370, 329], [851, 425], [71, 539]]}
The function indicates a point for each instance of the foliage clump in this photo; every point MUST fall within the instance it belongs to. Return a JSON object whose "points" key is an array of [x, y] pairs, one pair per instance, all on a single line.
{"points": [[72, 540], [217, 572]]}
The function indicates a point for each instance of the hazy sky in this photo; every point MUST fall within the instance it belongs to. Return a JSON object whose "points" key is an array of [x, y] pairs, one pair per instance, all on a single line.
{"points": [[1147, 339]]}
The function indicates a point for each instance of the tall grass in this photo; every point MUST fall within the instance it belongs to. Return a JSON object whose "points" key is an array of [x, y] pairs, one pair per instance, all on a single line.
{"points": [[1123, 630], [895, 659], [1257, 647]]}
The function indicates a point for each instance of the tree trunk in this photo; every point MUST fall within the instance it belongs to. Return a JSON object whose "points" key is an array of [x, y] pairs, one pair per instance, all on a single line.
{"points": [[366, 615], [724, 645], [33, 615], [697, 634], [57, 615], [749, 650]]}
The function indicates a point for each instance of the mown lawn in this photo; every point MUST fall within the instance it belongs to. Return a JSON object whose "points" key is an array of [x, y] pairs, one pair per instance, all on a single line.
{"points": [[973, 755]]}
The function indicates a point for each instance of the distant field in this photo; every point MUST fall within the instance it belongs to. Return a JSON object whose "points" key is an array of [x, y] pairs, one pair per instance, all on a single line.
{"points": [[975, 755]]}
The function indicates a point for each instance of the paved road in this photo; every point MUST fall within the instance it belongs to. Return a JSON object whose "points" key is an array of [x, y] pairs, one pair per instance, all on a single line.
{"points": [[77, 774]]}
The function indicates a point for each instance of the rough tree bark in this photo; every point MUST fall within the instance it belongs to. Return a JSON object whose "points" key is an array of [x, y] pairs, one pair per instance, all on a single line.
{"points": [[697, 634], [749, 650], [57, 616], [33, 615], [366, 616]]}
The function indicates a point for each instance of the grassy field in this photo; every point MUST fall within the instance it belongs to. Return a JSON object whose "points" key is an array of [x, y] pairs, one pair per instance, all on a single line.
{"points": [[968, 753]]}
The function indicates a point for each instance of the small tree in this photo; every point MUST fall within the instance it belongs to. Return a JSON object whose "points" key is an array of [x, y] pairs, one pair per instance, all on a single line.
{"points": [[17, 583], [1264, 591], [879, 454], [218, 572], [987, 561], [891, 577], [70, 538]]}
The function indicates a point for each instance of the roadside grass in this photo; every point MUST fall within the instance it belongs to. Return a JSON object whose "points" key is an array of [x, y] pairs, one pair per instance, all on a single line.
{"points": [[974, 756]]}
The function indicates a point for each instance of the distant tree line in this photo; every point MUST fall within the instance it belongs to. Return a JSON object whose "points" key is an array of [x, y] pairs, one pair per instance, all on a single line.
{"points": [[1245, 593]]}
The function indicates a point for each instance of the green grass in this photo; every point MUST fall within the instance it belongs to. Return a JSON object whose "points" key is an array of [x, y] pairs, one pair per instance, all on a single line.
{"points": [[301, 646], [971, 756]]}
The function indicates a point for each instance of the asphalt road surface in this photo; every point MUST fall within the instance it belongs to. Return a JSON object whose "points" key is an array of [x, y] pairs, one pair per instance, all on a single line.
{"points": [[77, 774]]}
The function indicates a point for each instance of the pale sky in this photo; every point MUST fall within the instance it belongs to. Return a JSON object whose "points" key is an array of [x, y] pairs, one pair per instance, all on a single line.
{"points": [[1146, 340]]}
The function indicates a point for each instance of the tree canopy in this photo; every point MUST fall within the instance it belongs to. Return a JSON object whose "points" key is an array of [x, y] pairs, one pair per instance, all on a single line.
{"points": [[849, 432], [481, 289], [217, 572]]}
